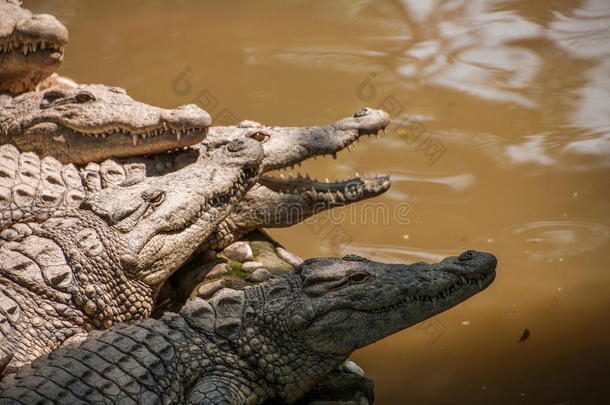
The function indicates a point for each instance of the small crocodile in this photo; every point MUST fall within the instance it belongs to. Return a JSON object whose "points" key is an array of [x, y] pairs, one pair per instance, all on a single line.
{"points": [[90, 266], [274, 340], [96, 122], [31, 47]]}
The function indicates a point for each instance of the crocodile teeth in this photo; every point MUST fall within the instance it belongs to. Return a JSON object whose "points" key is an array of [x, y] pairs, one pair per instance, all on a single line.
{"points": [[134, 139], [178, 134], [313, 193]]}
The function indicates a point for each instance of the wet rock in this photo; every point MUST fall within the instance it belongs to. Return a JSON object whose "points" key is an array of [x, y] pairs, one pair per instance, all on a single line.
{"points": [[206, 290], [239, 251], [259, 276], [288, 257], [251, 266], [265, 253], [219, 270]]}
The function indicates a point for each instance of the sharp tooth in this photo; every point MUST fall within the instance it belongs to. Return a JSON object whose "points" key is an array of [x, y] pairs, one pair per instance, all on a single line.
{"points": [[24, 49], [43, 45], [178, 134], [326, 180], [313, 193], [134, 139], [349, 147], [357, 175]]}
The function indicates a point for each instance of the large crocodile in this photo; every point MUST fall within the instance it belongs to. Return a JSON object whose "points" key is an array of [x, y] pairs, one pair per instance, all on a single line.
{"points": [[31, 47], [97, 122], [90, 267], [274, 340]]}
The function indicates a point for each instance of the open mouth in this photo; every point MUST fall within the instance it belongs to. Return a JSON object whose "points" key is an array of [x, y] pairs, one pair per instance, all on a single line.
{"points": [[28, 47], [332, 192], [463, 284], [139, 135]]}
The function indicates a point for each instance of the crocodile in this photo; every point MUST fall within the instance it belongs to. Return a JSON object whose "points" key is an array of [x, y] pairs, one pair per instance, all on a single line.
{"points": [[88, 267], [273, 340], [31, 47], [96, 122], [289, 146]]}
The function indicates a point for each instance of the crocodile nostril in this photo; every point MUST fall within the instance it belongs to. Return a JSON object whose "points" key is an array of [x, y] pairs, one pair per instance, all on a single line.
{"points": [[467, 255], [362, 112], [236, 145]]}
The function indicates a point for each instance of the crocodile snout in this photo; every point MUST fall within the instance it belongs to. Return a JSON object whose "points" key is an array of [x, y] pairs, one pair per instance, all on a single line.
{"points": [[43, 26]]}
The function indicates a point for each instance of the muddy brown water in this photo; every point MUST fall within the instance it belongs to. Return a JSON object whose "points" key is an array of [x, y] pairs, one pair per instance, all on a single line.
{"points": [[500, 141]]}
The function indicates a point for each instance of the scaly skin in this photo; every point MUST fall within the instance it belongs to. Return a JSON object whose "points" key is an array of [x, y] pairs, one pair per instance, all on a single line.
{"points": [[92, 266], [95, 122], [274, 340], [31, 47]]}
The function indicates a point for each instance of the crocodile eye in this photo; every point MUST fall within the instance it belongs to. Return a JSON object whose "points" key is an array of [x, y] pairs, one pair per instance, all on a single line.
{"points": [[260, 136], [154, 197], [53, 95], [84, 97], [358, 277]]}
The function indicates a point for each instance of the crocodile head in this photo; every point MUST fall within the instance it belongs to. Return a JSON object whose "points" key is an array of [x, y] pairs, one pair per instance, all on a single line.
{"points": [[165, 218], [296, 328], [31, 47], [351, 302], [280, 200], [96, 122]]}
